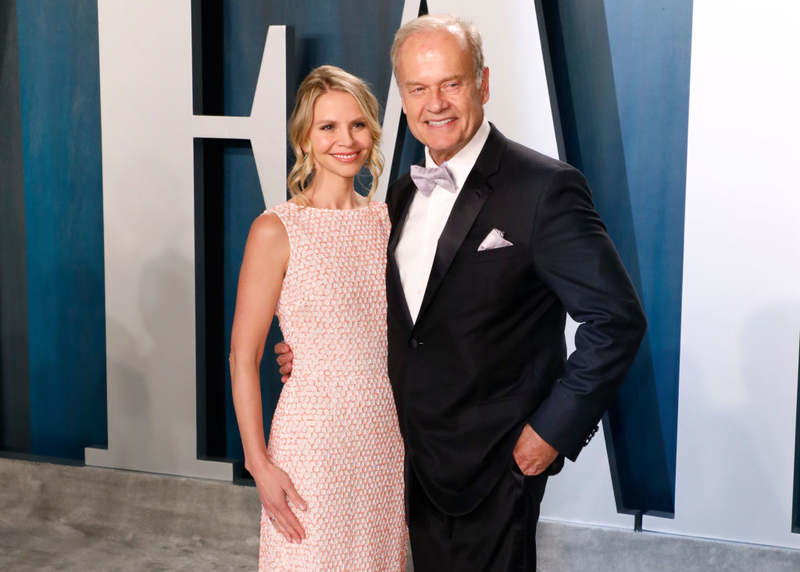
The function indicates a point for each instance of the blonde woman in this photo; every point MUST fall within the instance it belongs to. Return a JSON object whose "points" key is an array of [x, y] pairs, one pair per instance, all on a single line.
{"points": [[330, 481]]}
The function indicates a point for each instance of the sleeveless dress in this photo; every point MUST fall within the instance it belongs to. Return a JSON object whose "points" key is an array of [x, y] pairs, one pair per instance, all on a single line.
{"points": [[335, 429]]}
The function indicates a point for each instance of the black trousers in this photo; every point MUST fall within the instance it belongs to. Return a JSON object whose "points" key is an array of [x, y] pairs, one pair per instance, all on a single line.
{"points": [[498, 536]]}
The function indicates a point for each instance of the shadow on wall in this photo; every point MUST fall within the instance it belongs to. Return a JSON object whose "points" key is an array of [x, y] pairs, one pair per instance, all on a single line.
{"points": [[152, 396], [746, 483]]}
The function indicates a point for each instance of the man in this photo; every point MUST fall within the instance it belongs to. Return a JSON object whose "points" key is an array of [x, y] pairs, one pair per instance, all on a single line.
{"points": [[490, 246]]}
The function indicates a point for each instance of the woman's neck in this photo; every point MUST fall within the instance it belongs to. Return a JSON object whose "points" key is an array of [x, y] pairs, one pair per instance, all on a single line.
{"points": [[333, 193]]}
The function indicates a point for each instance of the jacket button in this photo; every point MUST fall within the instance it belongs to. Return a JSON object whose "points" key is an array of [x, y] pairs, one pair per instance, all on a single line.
{"points": [[413, 343]]}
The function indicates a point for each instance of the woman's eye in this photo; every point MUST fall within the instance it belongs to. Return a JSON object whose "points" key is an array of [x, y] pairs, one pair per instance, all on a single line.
{"points": [[327, 127]]}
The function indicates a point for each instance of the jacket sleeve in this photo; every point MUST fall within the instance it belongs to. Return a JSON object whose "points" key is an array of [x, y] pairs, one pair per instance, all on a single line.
{"points": [[575, 258]]}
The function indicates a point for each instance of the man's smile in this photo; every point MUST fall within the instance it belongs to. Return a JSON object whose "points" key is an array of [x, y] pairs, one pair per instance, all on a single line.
{"points": [[439, 122]]}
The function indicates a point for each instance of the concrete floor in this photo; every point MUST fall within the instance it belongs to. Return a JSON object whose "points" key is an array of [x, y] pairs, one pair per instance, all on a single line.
{"points": [[84, 519], [62, 547]]}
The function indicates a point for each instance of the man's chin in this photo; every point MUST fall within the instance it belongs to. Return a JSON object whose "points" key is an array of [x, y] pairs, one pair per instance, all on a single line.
{"points": [[442, 153], [436, 139]]}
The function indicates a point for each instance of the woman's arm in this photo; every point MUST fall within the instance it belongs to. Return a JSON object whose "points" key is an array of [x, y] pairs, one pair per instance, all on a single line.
{"points": [[266, 258]]}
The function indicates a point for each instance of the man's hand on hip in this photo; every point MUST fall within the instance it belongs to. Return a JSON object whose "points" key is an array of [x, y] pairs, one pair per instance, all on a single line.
{"points": [[532, 453]]}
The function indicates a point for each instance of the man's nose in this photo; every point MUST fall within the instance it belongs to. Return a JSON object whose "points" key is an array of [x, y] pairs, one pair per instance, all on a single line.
{"points": [[435, 101]]}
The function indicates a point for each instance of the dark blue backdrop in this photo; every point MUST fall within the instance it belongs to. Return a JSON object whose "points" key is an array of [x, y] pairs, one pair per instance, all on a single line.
{"points": [[60, 115]]}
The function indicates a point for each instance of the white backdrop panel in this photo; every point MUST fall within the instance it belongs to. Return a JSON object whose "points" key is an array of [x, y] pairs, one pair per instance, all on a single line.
{"points": [[741, 291], [148, 218]]}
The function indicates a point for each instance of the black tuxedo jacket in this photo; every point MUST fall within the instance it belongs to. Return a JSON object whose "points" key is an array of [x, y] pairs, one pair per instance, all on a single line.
{"points": [[487, 353]]}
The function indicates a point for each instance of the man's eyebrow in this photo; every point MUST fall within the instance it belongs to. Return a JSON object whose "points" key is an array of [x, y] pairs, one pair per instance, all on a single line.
{"points": [[458, 77]]}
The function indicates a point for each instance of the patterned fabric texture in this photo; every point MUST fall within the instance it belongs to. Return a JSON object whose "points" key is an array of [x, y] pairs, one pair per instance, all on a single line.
{"points": [[335, 429]]}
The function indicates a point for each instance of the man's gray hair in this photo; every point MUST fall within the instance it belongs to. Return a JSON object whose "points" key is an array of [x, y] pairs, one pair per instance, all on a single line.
{"points": [[459, 27]]}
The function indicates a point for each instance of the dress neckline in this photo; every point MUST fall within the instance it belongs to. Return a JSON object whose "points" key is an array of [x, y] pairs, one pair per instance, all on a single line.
{"points": [[359, 209]]}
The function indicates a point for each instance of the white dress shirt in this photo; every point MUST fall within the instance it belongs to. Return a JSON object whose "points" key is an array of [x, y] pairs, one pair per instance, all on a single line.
{"points": [[426, 219]]}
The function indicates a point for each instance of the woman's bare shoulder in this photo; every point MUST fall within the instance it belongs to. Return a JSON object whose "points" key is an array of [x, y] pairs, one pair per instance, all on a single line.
{"points": [[268, 230]]}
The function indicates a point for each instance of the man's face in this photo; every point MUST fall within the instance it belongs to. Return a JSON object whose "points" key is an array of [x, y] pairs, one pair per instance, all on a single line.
{"points": [[443, 105]]}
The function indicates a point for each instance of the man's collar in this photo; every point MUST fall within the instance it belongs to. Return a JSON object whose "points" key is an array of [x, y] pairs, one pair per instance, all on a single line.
{"points": [[462, 162]]}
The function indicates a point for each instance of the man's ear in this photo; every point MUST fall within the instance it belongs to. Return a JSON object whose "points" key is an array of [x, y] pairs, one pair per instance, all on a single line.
{"points": [[485, 86]]}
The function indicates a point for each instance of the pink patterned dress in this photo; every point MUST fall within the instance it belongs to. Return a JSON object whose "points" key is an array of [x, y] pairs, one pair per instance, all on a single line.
{"points": [[335, 429]]}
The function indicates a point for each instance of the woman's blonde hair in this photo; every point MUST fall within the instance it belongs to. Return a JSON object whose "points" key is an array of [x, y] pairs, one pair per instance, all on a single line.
{"points": [[322, 80]]}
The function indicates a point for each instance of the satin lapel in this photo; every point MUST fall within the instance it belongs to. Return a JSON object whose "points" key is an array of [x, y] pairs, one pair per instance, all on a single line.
{"points": [[469, 203], [403, 203], [393, 273]]}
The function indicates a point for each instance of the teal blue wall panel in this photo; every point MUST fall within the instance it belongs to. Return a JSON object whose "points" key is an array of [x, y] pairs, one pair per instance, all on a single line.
{"points": [[621, 69], [15, 430], [60, 105], [650, 48]]}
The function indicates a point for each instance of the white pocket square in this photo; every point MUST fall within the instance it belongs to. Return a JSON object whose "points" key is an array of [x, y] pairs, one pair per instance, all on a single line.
{"points": [[494, 240]]}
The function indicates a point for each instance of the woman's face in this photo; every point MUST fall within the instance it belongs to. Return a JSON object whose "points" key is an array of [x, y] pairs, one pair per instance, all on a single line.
{"points": [[339, 136]]}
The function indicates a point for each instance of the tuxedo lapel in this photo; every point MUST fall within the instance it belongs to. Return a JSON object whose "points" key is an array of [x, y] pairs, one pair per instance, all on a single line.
{"points": [[469, 203], [401, 210], [393, 272]]}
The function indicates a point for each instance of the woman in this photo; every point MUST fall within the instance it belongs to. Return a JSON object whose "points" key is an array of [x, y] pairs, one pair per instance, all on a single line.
{"points": [[330, 482]]}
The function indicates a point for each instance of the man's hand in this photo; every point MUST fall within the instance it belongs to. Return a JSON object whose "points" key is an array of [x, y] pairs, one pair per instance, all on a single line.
{"points": [[532, 453], [284, 359]]}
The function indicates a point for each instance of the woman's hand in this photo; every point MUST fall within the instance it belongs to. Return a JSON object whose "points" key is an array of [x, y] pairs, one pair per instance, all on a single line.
{"points": [[274, 488]]}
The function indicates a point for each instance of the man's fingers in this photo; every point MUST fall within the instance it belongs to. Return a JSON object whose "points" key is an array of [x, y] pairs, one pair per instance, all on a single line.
{"points": [[530, 466], [280, 347], [536, 470], [284, 358], [286, 368]]}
